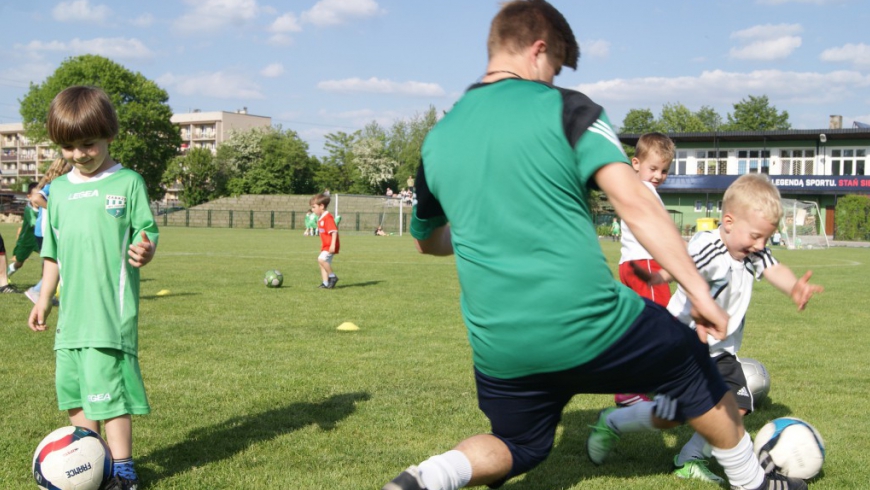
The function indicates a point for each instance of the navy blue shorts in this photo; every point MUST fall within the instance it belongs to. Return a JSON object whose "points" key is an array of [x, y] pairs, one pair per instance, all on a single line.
{"points": [[657, 354]]}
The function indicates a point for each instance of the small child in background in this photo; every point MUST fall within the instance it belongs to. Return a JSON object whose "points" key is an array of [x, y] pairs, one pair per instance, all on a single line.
{"points": [[615, 232], [26, 242], [651, 161], [4, 280], [40, 200], [730, 258], [329, 244]]}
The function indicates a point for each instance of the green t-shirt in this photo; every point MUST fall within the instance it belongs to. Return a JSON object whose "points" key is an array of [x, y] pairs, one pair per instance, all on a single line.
{"points": [[92, 224], [510, 167], [27, 237]]}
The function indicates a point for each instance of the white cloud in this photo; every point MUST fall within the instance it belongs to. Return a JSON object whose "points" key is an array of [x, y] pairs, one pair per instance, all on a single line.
{"points": [[219, 85], [596, 49], [767, 50], [212, 15], [767, 31], [80, 10], [144, 20], [273, 70], [334, 12], [857, 54], [719, 87], [114, 47], [378, 86], [286, 23]]}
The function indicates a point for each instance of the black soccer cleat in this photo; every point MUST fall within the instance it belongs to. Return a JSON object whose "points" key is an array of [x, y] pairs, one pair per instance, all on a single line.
{"points": [[407, 480], [332, 281], [776, 481]]}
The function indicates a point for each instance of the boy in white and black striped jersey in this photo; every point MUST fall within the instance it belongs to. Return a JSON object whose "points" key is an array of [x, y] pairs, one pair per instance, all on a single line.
{"points": [[730, 258]]}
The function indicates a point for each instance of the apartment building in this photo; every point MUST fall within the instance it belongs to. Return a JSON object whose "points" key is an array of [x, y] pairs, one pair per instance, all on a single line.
{"points": [[21, 160], [210, 129]]}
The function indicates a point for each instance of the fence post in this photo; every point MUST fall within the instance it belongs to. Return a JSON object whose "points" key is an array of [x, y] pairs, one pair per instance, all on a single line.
{"points": [[187, 217], [357, 221], [272, 221], [165, 218], [251, 223], [231, 218], [292, 220], [209, 219]]}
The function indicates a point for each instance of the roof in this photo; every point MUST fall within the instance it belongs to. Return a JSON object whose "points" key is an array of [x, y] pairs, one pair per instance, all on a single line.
{"points": [[856, 133]]}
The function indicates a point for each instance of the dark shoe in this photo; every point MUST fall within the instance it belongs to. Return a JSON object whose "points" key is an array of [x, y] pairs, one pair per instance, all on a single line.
{"points": [[7, 289], [407, 480], [323, 286], [332, 281], [121, 483], [775, 481]]}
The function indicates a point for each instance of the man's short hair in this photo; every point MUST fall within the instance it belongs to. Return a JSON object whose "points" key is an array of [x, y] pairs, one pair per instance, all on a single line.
{"points": [[320, 199], [522, 22], [80, 113], [754, 192], [656, 142]]}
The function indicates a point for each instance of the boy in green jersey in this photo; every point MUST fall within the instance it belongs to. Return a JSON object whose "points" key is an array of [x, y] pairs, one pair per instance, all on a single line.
{"points": [[26, 242], [100, 232]]}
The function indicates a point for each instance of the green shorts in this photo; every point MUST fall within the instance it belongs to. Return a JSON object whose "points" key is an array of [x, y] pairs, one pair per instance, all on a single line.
{"points": [[105, 383], [24, 248]]}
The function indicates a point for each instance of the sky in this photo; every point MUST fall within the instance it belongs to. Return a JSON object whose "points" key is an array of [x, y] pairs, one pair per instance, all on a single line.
{"points": [[324, 66]]}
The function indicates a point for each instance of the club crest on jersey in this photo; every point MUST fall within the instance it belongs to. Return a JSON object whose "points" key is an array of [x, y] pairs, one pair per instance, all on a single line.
{"points": [[116, 206]]}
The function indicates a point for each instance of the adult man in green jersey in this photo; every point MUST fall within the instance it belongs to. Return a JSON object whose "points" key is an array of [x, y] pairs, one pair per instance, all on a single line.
{"points": [[546, 319]]}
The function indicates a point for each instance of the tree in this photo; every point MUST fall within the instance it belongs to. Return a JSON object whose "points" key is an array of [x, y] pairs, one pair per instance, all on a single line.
{"points": [[405, 142], [199, 174], [147, 139], [677, 118], [639, 121], [709, 117], [756, 114], [285, 168], [374, 163], [338, 171]]}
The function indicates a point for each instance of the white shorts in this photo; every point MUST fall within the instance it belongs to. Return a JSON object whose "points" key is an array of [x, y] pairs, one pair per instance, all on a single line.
{"points": [[326, 257]]}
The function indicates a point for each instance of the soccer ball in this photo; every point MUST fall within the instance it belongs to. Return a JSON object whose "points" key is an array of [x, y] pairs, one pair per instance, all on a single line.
{"points": [[757, 378], [72, 458], [794, 446], [273, 279]]}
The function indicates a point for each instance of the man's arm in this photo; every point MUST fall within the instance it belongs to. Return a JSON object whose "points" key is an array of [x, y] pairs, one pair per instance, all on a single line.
{"points": [[438, 242], [653, 228]]}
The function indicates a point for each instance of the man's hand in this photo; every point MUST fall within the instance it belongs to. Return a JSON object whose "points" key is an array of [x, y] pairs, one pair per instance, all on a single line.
{"points": [[142, 252]]}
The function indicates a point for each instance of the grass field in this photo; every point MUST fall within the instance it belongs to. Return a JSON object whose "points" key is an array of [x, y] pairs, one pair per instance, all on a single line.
{"points": [[253, 388]]}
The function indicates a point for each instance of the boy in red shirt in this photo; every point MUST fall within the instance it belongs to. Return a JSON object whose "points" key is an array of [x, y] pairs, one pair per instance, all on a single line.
{"points": [[330, 245]]}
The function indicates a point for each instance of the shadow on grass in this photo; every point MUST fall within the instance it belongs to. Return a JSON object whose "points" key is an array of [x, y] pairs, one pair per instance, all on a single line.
{"points": [[358, 284], [149, 297], [636, 454], [221, 441]]}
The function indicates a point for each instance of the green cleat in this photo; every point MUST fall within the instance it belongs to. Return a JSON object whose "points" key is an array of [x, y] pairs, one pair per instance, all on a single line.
{"points": [[602, 438], [696, 469]]}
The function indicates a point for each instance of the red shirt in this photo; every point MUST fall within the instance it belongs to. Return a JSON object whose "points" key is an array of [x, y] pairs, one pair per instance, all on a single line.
{"points": [[328, 232]]}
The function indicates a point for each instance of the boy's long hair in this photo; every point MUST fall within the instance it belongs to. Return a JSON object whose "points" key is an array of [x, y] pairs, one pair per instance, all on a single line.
{"points": [[58, 167], [656, 142], [320, 199], [80, 113], [753, 192], [522, 22]]}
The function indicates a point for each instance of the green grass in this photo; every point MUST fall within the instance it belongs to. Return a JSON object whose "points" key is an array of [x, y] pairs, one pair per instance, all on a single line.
{"points": [[254, 388]]}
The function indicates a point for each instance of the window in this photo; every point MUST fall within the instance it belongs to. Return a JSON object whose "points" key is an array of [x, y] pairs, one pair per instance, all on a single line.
{"points": [[848, 161], [679, 166], [699, 206], [712, 162]]}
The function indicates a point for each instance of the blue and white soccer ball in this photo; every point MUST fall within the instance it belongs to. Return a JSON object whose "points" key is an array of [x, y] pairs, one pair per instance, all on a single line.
{"points": [[72, 458], [273, 279], [794, 446]]}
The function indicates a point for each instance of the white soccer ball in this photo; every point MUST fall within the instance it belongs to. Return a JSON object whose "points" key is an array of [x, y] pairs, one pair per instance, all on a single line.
{"points": [[794, 446], [757, 378], [72, 458]]}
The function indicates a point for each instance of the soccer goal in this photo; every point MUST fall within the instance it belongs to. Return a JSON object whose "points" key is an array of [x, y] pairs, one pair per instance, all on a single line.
{"points": [[364, 214], [802, 226]]}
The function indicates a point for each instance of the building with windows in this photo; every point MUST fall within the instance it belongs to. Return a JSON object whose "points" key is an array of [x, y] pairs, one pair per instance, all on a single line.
{"points": [[210, 129], [22, 160], [817, 165]]}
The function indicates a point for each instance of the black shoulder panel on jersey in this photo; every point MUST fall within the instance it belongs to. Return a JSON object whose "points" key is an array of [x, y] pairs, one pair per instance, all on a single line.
{"points": [[578, 113], [427, 205]]}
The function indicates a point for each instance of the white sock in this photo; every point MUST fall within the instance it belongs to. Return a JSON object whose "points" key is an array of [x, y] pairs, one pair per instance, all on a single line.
{"points": [[332, 275], [740, 464], [634, 418], [11, 270], [696, 448], [448, 471]]}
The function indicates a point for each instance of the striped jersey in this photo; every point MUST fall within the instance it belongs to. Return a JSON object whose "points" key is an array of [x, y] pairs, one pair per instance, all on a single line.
{"points": [[91, 226], [730, 284]]}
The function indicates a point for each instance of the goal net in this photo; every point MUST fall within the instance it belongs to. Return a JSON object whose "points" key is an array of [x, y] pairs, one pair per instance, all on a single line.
{"points": [[361, 214], [802, 226]]}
